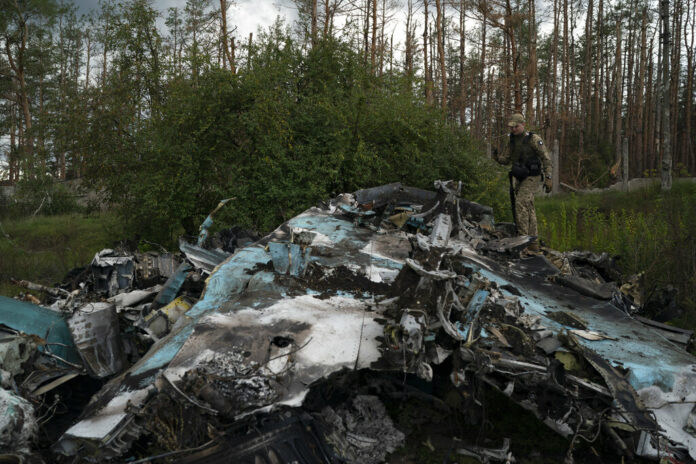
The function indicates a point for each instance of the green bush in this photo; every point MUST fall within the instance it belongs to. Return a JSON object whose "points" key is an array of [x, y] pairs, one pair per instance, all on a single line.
{"points": [[650, 231], [292, 129], [42, 196]]}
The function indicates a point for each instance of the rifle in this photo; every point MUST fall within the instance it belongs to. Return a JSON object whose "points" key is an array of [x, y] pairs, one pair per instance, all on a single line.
{"points": [[512, 201]]}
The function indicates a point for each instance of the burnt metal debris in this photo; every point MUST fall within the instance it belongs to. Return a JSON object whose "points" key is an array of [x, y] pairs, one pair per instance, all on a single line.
{"points": [[285, 348]]}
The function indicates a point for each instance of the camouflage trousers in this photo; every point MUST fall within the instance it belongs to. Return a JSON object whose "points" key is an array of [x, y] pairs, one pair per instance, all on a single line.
{"points": [[524, 205]]}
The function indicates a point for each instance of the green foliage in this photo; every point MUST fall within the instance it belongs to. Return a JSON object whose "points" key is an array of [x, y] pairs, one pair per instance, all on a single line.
{"points": [[651, 231], [43, 249], [42, 195], [287, 131]]}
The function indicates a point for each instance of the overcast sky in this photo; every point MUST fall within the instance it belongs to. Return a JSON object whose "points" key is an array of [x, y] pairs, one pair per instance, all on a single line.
{"points": [[246, 15]]}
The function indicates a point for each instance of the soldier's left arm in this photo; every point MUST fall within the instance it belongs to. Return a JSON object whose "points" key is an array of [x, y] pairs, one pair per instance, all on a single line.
{"points": [[543, 154]]}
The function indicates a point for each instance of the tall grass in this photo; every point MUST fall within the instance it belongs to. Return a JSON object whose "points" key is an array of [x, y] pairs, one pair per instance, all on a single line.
{"points": [[650, 231], [44, 248]]}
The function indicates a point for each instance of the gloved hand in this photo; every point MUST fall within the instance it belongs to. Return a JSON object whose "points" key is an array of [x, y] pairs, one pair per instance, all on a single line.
{"points": [[548, 185]]}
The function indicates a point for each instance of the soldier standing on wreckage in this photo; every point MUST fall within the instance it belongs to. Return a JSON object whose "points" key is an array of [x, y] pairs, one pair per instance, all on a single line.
{"points": [[531, 166]]}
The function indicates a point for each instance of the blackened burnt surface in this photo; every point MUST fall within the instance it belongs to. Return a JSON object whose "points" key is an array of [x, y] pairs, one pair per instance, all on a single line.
{"points": [[393, 193], [330, 281]]}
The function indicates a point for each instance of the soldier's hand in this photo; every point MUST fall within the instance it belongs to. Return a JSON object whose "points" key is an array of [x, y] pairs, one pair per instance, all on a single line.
{"points": [[548, 185]]}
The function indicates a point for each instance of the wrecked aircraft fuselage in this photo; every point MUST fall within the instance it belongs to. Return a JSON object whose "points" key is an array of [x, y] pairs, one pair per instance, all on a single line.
{"points": [[394, 279]]}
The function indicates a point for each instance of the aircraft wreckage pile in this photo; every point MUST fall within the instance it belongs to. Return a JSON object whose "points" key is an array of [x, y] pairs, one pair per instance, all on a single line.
{"points": [[283, 349]]}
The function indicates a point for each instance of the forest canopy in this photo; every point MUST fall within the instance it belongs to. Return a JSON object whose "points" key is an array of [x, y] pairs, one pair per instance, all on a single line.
{"points": [[169, 119]]}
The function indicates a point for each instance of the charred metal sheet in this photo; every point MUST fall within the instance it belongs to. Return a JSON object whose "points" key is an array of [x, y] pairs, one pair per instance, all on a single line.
{"points": [[134, 297], [36, 320], [111, 272], [149, 267], [396, 192], [602, 291], [289, 258], [675, 334], [202, 258], [95, 330], [208, 222], [172, 286], [510, 244]]}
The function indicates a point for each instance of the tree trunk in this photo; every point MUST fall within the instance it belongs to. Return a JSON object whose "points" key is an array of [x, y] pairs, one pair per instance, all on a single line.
{"points": [[17, 66], [479, 104], [532, 72], [585, 84], [666, 167], [441, 54], [313, 31], [618, 78], [373, 44], [689, 36], [462, 59], [597, 116], [410, 45], [639, 101], [428, 83], [228, 54], [12, 157], [553, 105]]}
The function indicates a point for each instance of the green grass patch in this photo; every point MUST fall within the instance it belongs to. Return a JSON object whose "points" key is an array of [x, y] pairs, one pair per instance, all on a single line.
{"points": [[649, 230], [44, 248]]}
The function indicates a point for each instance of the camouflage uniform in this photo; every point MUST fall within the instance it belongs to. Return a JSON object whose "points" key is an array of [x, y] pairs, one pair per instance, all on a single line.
{"points": [[521, 148]]}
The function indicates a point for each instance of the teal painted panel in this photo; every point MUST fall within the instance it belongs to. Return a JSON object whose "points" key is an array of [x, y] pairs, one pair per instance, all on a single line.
{"points": [[37, 320]]}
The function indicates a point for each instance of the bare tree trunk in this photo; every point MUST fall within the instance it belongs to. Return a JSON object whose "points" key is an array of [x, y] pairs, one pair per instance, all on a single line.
{"points": [[327, 18], [618, 78], [373, 46], [13, 162], [513, 57], [428, 82], [565, 70], [689, 36], [666, 103], [638, 100], [251, 38], [553, 106], [366, 30], [382, 43], [479, 103], [649, 129], [532, 73], [313, 32], [585, 83], [441, 54], [675, 74], [228, 54], [17, 66], [597, 116], [89, 52], [410, 43], [462, 59]]}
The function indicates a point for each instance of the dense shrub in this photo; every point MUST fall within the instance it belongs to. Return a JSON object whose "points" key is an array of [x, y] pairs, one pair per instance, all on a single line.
{"points": [[41, 195], [293, 128], [651, 231]]}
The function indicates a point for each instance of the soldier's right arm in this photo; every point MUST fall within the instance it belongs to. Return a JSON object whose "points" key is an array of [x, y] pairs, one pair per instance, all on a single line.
{"points": [[503, 156]]}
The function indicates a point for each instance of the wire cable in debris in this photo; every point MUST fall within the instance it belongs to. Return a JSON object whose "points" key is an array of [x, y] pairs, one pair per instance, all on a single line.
{"points": [[191, 400], [172, 453]]}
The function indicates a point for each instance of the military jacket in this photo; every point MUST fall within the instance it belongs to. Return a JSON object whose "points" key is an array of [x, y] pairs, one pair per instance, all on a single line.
{"points": [[522, 147]]}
